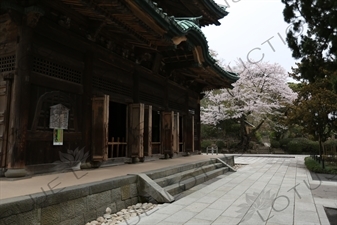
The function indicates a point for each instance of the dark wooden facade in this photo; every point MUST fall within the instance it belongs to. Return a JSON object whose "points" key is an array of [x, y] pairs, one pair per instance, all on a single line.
{"points": [[130, 75]]}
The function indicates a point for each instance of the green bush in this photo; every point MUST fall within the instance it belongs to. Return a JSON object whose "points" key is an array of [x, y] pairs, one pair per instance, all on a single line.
{"points": [[208, 131], [220, 144], [274, 143], [232, 144], [302, 145], [315, 167], [205, 144], [295, 146], [312, 165], [312, 147], [233, 128], [284, 143]]}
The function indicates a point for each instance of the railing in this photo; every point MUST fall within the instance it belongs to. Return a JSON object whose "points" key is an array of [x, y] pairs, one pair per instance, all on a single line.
{"points": [[212, 149], [117, 148]]}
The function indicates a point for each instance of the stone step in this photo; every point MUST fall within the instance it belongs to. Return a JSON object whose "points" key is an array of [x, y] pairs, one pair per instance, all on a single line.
{"points": [[156, 174], [186, 184], [178, 177]]}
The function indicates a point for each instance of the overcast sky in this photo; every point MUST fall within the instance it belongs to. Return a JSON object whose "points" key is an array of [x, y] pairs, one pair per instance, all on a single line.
{"points": [[245, 32]]}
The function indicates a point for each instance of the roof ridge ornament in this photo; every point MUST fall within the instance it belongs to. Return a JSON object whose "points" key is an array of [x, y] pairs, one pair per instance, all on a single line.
{"points": [[195, 20]]}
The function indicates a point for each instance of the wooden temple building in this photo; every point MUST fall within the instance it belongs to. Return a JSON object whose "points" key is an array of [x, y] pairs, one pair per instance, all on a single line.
{"points": [[119, 78]]}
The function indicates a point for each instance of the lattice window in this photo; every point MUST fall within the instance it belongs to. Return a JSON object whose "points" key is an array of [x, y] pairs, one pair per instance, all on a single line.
{"points": [[52, 69], [111, 86], [7, 63]]}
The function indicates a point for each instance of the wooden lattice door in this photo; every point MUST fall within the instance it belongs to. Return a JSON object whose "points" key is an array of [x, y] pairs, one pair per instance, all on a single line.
{"points": [[100, 120]]}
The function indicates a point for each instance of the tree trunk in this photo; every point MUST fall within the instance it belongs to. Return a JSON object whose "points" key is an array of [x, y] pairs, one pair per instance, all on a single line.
{"points": [[321, 151], [245, 139]]}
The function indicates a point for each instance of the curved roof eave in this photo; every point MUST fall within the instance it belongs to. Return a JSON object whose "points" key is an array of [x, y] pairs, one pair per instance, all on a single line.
{"points": [[221, 10], [186, 27], [196, 35]]}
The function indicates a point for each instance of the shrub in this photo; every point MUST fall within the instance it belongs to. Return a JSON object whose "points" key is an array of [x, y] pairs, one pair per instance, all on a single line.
{"points": [[234, 128], [295, 146], [315, 167], [284, 143], [220, 144], [312, 165], [274, 143], [299, 145], [205, 144], [312, 147]]}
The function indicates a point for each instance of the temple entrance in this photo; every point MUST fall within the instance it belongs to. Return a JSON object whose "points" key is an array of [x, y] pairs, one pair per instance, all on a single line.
{"points": [[117, 142]]}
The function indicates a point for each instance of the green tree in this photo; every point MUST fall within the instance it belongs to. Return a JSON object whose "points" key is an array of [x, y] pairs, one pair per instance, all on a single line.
{"points": [[313, 36], [315, 110]]}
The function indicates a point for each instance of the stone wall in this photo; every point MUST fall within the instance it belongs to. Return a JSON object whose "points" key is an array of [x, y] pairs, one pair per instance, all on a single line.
{"points": [[71, 205], [79, 204]]}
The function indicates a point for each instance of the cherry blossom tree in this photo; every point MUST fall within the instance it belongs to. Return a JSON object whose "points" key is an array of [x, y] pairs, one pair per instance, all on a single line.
{"points": [[261, 92]]}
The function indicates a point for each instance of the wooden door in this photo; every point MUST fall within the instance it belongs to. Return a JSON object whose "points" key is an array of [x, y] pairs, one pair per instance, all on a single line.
{"points": [[100, 120], [136, 130], [148, 130], [189, 133], [167, 132]]}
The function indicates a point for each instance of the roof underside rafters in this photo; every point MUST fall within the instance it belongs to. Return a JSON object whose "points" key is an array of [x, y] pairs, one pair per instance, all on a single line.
{"points": [[141, 23]]}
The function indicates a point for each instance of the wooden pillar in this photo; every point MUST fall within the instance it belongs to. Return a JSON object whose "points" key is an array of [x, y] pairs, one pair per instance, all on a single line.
{"points": [[197, 124], [20, 101], [136, 131], [148, 130], [167, 119], [176, 133], [86, 100], [188, 128]]}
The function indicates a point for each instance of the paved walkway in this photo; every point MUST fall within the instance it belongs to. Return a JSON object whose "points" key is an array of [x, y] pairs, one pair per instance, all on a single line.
{"points": [[269, 191]]}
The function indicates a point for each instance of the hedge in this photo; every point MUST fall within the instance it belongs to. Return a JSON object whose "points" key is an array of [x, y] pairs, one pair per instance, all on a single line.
{"points": [[315, 167]]}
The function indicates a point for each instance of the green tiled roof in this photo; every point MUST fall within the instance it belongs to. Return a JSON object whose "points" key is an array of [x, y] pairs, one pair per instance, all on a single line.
{"points": [[186, 27], [189, 27]]}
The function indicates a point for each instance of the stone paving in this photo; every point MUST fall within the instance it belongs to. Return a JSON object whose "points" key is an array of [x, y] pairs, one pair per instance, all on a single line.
{"points": [[268, 191]]}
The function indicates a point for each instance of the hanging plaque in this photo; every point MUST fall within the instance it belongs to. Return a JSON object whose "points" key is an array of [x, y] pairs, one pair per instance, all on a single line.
{"points": [[59, 117]]}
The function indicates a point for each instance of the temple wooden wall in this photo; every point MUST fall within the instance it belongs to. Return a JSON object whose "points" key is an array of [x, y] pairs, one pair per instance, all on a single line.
{"points": [[70, 70]]}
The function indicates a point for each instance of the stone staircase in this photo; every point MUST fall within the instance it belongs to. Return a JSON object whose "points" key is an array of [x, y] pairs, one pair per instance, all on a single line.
{"points": [[178, 179]]}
